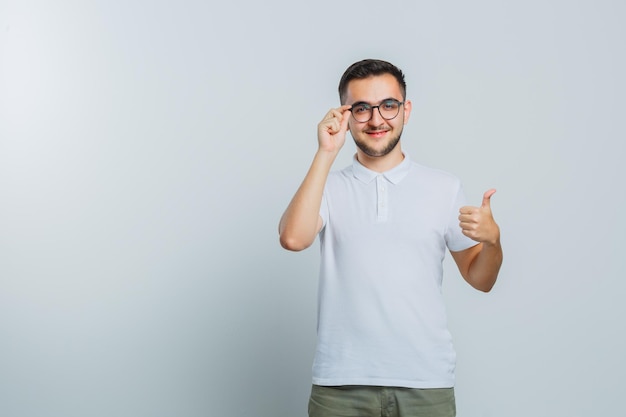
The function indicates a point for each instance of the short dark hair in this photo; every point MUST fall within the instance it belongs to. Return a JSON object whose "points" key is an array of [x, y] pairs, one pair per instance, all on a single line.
{"points": [[369, 68]]}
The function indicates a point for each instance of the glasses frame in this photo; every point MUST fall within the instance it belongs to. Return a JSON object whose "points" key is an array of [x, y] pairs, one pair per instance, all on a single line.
{"points": [[400, 103]]}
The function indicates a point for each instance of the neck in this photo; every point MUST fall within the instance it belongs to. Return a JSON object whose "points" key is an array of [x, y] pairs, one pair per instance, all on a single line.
{"points": [[381, 163]]}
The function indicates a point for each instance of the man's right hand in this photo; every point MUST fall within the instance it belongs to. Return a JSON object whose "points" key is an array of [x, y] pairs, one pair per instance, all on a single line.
{"points": [[301, 222], [331, 131]]}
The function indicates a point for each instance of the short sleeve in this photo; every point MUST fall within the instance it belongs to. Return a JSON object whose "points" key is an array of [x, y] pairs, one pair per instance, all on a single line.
{"points": [[324, 210]]}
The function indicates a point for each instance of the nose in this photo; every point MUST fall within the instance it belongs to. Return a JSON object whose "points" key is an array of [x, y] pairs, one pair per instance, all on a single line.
{"points": [[377, 117]]}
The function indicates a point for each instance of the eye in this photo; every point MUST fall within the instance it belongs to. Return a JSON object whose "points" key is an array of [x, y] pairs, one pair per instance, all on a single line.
{"points": [[389, 105], [360, 108]]}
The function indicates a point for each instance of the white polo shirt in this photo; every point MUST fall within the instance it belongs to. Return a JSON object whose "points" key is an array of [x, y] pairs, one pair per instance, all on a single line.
{"points": [[381, 317]]}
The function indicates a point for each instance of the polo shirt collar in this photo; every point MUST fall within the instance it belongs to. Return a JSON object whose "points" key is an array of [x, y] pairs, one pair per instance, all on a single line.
{"points": [[394, 175]]}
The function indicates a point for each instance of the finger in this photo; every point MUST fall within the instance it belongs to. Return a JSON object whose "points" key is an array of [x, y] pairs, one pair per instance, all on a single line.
{"points": [[330, 115], [467, 219], [333, 126], [340, 115], [339, 112], [466, 210], [345, 107], [335, 121], [487, 197], [345, 120]]}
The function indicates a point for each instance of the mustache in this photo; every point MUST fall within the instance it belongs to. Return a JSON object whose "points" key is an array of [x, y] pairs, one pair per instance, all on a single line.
{"points": [[377, 129]]}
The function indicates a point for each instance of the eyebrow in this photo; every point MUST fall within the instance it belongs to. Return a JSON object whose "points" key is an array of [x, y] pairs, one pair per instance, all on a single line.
{"points": [[379, 103]]}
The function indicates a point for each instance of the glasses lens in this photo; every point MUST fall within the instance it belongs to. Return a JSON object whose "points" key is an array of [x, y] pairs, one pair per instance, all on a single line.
{"points": [[389, 109], [361, 112]]}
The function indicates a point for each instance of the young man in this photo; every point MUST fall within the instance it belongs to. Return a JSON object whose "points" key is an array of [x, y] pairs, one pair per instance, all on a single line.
{"points": [[384, 225]]}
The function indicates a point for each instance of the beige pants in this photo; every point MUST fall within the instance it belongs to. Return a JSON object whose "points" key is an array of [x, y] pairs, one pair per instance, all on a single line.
{"points": [[367, 401]]}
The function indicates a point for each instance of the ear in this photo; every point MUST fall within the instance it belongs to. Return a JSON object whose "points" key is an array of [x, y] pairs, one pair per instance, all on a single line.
{"points": [[407, 110]]}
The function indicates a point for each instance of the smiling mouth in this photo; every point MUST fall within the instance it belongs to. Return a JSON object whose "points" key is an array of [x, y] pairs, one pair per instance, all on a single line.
{"points": [[377, 133]]}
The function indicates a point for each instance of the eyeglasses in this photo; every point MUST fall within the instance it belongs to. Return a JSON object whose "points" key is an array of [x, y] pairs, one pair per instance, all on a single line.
{"points": [[388, 109]]}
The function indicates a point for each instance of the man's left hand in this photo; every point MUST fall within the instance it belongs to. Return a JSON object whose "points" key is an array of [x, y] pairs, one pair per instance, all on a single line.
{"points": [[478, 224]]}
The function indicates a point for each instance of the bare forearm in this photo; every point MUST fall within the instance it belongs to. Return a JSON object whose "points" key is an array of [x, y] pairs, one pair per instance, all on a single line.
{"points": [[301, 221], [484, 269], [299, 224]]}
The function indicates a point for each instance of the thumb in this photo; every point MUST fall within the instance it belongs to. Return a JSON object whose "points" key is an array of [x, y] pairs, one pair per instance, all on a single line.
{"points": [[487, 198], [345, 120]]}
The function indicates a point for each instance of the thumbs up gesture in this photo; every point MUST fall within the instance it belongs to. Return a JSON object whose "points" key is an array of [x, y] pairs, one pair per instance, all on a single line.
{"points": [[478, 224]]}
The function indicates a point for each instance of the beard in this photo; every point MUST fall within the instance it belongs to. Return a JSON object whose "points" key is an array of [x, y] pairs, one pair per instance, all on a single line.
{"points": [[374, 153]]}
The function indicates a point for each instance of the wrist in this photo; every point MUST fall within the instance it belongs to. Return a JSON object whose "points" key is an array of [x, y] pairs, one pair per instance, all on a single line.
{"points": [[327, 154], [493, 242]]}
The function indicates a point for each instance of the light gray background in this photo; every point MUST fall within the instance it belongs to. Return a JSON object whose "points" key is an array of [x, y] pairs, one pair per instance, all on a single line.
{"points": [[148, 149]]}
